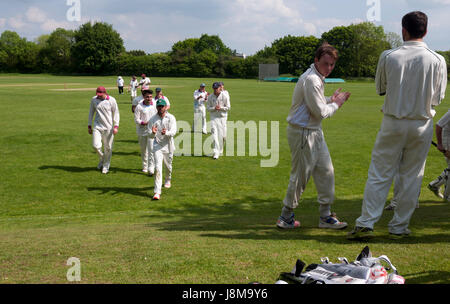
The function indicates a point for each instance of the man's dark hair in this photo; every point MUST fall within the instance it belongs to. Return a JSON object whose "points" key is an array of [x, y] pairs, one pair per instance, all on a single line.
{"points": [[326, 49], [145, 92], [415, 23]]}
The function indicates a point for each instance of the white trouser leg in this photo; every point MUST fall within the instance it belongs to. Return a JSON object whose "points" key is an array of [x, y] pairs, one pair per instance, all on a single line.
{"points": [[400, 148], [203, 112], [158, 170], [309, 156], [216, 134], [197, 120], [97, 143], [107, 139], [412, 167], [168, 158], [151, 155], [144, 143]]}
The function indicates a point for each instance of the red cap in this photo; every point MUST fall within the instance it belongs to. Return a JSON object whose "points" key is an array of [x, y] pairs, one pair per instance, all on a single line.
{"points": [[101, 90], [143, 75]]}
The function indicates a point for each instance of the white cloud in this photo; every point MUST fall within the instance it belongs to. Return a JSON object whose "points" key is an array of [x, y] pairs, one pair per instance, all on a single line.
{"points": [[2, 22], [16, 22], [35, 15]]}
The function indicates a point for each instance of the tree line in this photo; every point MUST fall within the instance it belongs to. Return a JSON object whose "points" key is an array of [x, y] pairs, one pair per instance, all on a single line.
{"points": [[97, 49]]}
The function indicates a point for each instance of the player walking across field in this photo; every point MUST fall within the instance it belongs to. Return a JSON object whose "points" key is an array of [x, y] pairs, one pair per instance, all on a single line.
{"points": [[106, 125], [443, 145], [134, 84], [160, 95], [309, 151], [163, 128], [200, 98], [145, 110], [414, 79], [120, 83], [218, 105]]}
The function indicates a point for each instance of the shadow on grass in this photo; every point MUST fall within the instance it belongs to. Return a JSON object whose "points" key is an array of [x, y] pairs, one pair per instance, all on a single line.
{"points": [[146, 192], [253, 218], [135, 141], [74, 169], [433, 277]]}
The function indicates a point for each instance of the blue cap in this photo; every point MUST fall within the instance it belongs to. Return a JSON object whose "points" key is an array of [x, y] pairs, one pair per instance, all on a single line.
{"points": [[216, 85], [203, 85]]}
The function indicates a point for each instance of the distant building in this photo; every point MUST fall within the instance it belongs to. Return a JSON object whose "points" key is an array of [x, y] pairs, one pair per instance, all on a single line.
{"points": [[240, 55]]}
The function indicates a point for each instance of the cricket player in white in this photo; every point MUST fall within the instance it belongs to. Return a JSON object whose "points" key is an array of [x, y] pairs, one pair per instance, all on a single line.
{"points": [[163, 128], [134, 84], [414, 79], [200, 98], [309, 151], [145, 82], [106, 125], [443, 145], [218, 105], [145, 110]]}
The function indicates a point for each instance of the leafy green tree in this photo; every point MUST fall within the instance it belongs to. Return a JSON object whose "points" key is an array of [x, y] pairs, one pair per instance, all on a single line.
{"points": [[212, 43], [97, 47], [55, 54], [17, 54], [295, 54]]}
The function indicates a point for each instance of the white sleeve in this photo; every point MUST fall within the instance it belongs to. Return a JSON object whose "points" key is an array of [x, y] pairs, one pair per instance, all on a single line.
{"points": [[137, 115], [172, 127], [317, 103], [91, 113], [445, 120], [380, 77], [442, 78], [116, 115]]}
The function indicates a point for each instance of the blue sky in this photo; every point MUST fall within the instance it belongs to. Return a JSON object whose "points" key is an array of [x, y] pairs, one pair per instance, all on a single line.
{"points": [[244, 25]]}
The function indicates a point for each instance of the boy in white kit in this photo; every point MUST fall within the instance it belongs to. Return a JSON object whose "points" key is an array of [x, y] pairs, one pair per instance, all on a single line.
{"points": [[163, 128], [218, 106], [145, 110], [106, 125], [200, 98], [443, 145], [309, 151]]}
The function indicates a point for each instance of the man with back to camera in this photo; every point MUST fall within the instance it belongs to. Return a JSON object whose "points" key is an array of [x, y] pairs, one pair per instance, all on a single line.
{"points": [[106, 125], [309, 151], [414, 79], [200, 98]]}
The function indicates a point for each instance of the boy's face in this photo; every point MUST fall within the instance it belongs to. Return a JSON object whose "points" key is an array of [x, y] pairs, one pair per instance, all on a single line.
{"points": [[325, 64]]}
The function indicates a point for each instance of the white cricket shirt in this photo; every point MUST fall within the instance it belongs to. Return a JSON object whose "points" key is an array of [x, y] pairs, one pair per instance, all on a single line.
{"points": [[309, 104], [106, 113], [414, 79]]}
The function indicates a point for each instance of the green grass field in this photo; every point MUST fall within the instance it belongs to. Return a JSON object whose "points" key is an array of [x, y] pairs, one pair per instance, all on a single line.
{"points": [[217, 222]]}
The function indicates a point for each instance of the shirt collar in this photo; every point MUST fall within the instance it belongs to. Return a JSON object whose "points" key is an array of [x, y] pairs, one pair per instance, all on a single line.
{"points": [[414, 43], [313, 68]]}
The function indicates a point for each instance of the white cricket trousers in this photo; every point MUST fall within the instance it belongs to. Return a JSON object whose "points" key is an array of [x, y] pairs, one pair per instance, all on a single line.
{"points": [[219, 133], [401, 148], [161, 157], [105, 137], [199, 119], [309, 156], [148, 160]]}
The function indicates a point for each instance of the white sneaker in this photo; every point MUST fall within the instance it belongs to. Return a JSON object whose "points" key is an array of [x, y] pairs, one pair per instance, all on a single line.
{"points": [[167, 184], [156, 196], [105, 170], [331, 222], [151, 171], [145, 170], [100, 165]]}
